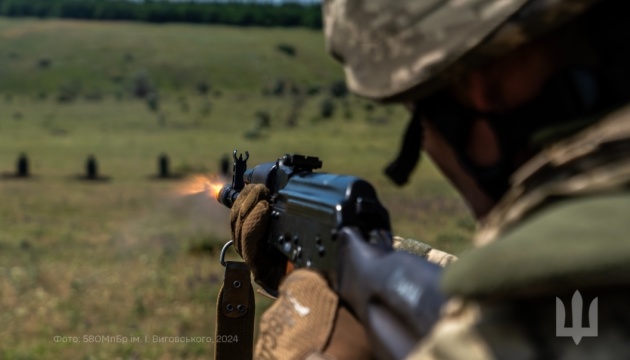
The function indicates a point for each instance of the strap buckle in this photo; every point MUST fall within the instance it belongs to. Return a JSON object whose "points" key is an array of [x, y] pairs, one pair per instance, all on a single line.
{"points": [[224, 250]]}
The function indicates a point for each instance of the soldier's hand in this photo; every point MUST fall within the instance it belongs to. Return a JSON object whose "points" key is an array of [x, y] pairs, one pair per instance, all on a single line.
{"points": [[249, 219], [309, 322]]}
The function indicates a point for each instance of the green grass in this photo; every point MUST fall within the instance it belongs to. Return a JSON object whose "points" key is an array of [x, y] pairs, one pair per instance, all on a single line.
{"points": [[121, 258], [93, 55]]}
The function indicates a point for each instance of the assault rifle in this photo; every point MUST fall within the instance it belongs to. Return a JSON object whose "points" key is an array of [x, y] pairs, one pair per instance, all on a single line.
{"points": [[336, 225]]}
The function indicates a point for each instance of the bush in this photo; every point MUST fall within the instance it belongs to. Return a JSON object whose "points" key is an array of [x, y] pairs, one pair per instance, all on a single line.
{"points": [[289, 14], [338, 89], [141, 84], [295, 90], [286, 49], [253, 133], [153, 101], [278, 87], [263, 119], [68, 92], [203, 87], [326, 108], [44, 63], [313, 90]]}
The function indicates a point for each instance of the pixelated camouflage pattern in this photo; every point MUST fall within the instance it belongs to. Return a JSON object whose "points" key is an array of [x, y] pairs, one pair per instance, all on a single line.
{"points": [[561, 224], [573, 167], [594, 162], [419, 248], [392, 49], [525, 330]]}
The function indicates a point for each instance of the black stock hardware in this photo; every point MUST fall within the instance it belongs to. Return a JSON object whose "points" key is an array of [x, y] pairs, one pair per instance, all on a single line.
{"points": [[336, 225]]}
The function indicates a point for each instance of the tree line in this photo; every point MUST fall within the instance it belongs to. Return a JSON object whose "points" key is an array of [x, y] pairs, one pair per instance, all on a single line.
{"points": [[227, 13]]}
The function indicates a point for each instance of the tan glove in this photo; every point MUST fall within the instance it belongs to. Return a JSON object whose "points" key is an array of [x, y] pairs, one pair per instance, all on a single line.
{"points": [[249, 219], [307, 322]]}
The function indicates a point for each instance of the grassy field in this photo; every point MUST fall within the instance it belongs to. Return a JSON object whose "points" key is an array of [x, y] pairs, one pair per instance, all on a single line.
{"points": [[98, 55], [132, 257]]}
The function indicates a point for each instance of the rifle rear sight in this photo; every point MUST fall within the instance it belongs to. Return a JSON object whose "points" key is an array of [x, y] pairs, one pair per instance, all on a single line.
{"points": [[309, 208], [290, 164]]}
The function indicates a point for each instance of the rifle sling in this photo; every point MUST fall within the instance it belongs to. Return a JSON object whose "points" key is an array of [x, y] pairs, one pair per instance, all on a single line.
{"points": [[235, 314]]}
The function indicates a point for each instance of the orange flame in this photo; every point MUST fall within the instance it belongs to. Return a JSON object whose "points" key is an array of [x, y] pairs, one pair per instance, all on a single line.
{"points": [[211, 185]]}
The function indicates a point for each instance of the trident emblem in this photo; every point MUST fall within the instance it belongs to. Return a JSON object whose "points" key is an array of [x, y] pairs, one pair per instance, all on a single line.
{"points": [[577, 332]]}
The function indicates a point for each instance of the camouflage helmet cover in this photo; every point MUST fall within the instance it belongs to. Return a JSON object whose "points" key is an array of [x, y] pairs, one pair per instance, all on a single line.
{"points": [[390, 48]]}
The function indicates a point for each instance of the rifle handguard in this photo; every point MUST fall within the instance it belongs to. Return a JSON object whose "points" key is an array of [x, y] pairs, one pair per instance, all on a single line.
{"points": [[398, 307]]}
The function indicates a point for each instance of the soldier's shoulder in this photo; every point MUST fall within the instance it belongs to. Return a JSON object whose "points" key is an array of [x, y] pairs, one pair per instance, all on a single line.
{"points": [[581, 241], [596, 160], [563, 227], [527, 329]]}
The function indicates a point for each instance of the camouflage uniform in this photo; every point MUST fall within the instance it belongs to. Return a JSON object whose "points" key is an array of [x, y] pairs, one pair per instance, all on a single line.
{"points": [[389, 47], [569, 232], [563, 224]]}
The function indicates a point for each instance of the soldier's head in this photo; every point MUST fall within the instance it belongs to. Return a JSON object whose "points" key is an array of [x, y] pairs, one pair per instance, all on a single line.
{"points": [[489, 82]]}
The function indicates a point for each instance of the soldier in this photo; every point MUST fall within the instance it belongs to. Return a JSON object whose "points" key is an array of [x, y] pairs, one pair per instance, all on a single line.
{"points": [[523, 105]]}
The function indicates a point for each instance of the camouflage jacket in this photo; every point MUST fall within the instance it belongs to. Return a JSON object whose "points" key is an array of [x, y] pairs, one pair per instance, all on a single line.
{"points": [[563, 226]]}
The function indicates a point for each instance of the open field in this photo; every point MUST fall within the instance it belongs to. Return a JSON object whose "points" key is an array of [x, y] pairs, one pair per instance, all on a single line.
{"points": [[130, 256], [102, 55]]}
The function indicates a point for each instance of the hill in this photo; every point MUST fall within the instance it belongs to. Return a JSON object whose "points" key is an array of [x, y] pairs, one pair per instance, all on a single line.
{"points": [[44, 55]]}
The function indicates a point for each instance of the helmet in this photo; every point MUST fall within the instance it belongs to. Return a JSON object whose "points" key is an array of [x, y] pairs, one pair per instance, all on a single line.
{"points": [[407, 48]]}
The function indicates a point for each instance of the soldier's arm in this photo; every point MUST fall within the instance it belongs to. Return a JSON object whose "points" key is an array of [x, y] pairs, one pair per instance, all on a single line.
{"points": [[424, 250]]}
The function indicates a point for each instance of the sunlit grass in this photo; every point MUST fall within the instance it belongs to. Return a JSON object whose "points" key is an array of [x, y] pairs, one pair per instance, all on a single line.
{"points": [[130, 256]]}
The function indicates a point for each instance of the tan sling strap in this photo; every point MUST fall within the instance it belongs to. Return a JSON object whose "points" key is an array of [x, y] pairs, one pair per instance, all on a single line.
{"points": [[236, 308]]}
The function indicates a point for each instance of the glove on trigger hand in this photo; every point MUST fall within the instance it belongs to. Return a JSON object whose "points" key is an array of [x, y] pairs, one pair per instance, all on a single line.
{"points": [[249, 219]]}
